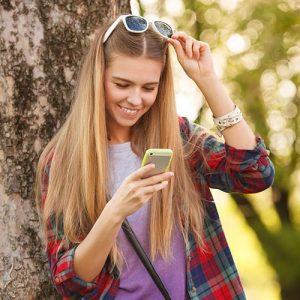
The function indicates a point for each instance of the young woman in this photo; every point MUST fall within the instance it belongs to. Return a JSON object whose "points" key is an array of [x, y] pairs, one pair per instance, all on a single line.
{"points": [[90, 179]]}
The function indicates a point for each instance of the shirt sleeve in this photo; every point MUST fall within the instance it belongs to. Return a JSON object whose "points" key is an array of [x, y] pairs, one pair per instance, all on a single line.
{"points": [[230, 169], [61, 258]]}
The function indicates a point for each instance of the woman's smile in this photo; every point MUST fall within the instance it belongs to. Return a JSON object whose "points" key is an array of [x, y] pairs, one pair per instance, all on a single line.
{"points": [[129, 112]]}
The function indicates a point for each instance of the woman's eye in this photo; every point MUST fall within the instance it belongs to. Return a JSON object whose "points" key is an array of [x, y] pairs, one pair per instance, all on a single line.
{"points": [[122, 86], [149, 89]]}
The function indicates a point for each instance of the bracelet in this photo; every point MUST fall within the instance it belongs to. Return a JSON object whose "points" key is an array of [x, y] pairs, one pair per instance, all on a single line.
{"points": [[228, 120]]}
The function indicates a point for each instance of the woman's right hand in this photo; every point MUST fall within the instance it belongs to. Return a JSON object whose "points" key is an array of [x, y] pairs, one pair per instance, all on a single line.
{"points": [[136, 190]]}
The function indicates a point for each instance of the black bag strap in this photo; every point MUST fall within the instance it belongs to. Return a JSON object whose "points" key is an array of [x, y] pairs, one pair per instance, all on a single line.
{"points": [[144, 258]]}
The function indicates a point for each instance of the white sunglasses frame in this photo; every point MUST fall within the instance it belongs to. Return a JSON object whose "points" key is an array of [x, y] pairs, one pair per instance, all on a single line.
{"points": [[123, 17]]}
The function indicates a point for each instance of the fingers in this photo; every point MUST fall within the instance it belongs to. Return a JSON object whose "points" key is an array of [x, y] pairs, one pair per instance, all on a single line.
{"points": [[178, 47], [149, 190], [204, 47], [142, 187], [156, 179], [196, 51], [146, 193], [189, 47], [141, 172], [186, 45], [142, 175]]}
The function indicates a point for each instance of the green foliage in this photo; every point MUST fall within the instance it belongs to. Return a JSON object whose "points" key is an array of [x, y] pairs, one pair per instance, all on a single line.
{"points": [[261, 78]]}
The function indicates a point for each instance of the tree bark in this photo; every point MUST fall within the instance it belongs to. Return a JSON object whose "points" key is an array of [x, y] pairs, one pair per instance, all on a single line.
{"points": [[41, 46]]}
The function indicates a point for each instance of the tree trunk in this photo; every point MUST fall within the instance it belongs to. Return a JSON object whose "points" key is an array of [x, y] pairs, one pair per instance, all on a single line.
{"points": [[281, 247], [290, 294], [41, 46]]}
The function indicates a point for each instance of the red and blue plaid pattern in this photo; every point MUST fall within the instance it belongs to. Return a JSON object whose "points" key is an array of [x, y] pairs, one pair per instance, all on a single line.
{"points": [[211, 273]]}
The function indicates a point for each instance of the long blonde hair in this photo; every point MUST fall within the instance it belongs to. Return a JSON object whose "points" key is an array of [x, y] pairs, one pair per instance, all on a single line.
{"points": [[77, 189]]}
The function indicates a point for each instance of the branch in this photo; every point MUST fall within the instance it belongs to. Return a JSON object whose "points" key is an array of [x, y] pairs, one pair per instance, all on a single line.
{"points": [[280, 199]]}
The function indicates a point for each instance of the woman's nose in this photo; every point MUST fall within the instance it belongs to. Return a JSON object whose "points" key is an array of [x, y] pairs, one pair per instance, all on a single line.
{"points": [[135, 98]]}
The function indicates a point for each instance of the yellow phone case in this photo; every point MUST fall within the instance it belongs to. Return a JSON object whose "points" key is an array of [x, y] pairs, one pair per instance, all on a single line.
{"points": [[160, 157]]}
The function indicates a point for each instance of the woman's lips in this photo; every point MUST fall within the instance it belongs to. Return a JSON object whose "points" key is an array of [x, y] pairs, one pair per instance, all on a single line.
{"points": [[128, 112]]}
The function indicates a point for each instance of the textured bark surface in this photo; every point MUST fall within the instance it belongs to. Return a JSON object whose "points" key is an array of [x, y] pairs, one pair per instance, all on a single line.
{"points": [[41, 46]]}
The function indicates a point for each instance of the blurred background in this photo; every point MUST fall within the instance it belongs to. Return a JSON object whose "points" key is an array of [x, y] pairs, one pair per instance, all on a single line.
{"points": [[256, 49]]}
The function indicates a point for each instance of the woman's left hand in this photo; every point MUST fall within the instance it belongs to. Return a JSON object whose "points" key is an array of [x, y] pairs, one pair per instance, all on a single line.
{"points": [[193, 55]]}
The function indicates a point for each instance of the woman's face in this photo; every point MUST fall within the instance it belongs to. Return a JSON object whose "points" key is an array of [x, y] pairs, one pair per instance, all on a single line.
{"points": [[131, 86]]}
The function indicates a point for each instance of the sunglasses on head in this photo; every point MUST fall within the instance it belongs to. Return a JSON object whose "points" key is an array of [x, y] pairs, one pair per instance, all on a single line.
{"points": [[139, 24]]}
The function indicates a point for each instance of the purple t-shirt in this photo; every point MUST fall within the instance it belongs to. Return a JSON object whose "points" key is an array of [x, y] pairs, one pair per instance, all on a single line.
{"points": [[135, 281]]}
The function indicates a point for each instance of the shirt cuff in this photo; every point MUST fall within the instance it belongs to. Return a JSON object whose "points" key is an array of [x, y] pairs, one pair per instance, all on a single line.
{"points": [[65, 270], [241, 159]]}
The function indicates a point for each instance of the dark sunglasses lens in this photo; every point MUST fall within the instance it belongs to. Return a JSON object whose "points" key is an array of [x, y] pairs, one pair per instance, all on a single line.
{"points": [[136, 23], [164, 28]]}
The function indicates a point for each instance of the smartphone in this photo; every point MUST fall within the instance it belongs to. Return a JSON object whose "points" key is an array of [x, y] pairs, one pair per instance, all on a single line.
{"points": [[160, 157]]}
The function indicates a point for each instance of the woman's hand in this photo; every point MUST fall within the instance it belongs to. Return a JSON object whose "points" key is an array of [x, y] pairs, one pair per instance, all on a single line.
{"points": [[136, 190], [193, 55]]}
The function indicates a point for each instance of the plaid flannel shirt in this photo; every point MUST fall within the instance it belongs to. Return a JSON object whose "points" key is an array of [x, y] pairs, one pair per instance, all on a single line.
{"points": [[211, 274]]}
